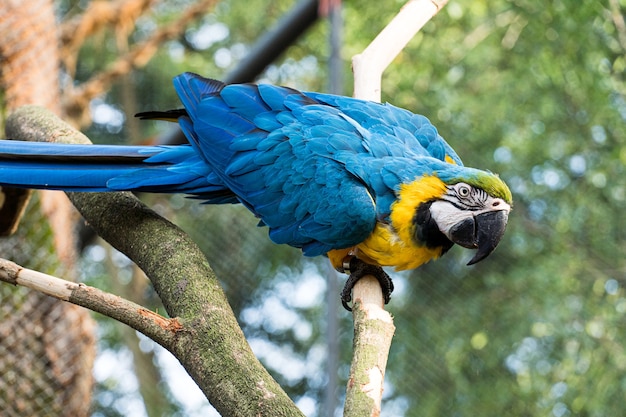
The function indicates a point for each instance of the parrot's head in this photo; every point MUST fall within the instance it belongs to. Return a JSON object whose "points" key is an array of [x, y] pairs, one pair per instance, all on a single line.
{"points": [[470, 210]]}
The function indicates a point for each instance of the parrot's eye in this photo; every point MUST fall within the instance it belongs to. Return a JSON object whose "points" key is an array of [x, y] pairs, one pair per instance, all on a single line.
{"points": [[463, 190]]}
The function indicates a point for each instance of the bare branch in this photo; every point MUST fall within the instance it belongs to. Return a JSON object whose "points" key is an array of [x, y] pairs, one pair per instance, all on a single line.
{"points": [[373, 326], [122, 14], [145, 321], [77, 102], [369, 65], [373, 332]]}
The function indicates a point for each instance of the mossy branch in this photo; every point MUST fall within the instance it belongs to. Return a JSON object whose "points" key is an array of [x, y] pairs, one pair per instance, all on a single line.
{"points": [[207, 340], [373, 332], [373, 326]]}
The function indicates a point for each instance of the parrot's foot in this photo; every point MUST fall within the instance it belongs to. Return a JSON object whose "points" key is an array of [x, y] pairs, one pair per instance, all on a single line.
{"points": [[358, 269]]}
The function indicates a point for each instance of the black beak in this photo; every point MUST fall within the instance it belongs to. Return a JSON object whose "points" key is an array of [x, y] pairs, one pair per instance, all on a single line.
{"points": [[483, 232]]}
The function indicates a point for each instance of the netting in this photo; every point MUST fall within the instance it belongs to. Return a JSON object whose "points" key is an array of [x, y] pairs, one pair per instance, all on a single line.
{"points": [[45, 344]]}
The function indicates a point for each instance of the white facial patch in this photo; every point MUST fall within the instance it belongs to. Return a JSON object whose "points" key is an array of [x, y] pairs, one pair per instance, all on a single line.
{"points": [[447, 215]]}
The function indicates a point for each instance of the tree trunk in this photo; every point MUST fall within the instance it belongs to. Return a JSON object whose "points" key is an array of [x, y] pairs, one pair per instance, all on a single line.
{"points": [[47, 347]]}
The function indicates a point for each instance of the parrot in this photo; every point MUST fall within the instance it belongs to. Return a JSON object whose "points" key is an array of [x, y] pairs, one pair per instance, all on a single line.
{"points": [[366, 184]]}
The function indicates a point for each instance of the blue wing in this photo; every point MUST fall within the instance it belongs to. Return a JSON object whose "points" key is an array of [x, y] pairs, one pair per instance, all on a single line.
{"points": [[404, 133], [319, 170]]}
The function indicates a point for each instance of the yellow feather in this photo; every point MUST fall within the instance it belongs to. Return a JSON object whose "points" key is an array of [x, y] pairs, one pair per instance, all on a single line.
{"points": [[393, 244], [337, 256]]}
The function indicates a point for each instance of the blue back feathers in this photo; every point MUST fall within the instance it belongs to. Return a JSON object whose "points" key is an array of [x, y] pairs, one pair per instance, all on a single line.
{"points": [[319, 170]]}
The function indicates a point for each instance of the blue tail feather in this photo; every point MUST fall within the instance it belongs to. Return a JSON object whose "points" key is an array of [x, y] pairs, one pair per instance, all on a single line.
{"points": [[160, 169]]}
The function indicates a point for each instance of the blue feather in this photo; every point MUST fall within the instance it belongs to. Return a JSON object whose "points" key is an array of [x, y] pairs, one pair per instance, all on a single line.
{"points": [[319, 170], [192, 89]]}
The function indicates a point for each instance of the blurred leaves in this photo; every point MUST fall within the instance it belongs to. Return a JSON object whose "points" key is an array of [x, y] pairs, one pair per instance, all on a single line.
{"points": [[532, 90]]}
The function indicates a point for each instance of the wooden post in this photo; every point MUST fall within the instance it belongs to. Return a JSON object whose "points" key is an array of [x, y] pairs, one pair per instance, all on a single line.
{"points": [[373, 326]]}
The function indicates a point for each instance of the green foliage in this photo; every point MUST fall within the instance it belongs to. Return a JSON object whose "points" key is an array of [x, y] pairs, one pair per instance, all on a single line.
{"points": [[531, 90], [532, 93]]}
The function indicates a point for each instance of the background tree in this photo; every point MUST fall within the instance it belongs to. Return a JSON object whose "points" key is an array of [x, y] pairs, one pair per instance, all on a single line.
{"points": [[532, 91], [47, 347]]}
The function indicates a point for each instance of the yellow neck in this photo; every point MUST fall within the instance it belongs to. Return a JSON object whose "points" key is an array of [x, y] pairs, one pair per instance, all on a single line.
{"points": [[394, 244], [385, 249]]}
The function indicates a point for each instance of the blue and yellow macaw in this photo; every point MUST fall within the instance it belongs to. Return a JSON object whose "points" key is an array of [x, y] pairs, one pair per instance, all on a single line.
{"points": [[367, 184]]}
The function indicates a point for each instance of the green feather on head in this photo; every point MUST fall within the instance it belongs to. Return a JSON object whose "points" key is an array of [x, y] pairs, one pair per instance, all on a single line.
{"points": [[491, 183]]}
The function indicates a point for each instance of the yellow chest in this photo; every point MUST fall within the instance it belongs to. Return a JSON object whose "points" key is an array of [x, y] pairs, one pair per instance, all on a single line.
{"points": [[394, 244], [385, 248]]}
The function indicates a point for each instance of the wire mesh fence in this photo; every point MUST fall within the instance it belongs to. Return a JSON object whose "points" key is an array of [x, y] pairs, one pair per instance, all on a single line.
{"points": [[501, 338], [46, 346]]}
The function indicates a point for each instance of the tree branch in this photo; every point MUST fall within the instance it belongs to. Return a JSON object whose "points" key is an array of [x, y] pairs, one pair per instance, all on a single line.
{"points": [[78, 100], [373, 326], [368, 66], [121, 15], [209, 343], [373, 332], [151, 324]]}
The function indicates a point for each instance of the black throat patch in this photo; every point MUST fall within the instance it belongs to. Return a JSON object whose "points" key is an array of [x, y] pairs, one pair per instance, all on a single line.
{"points": [[426, 230]]}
